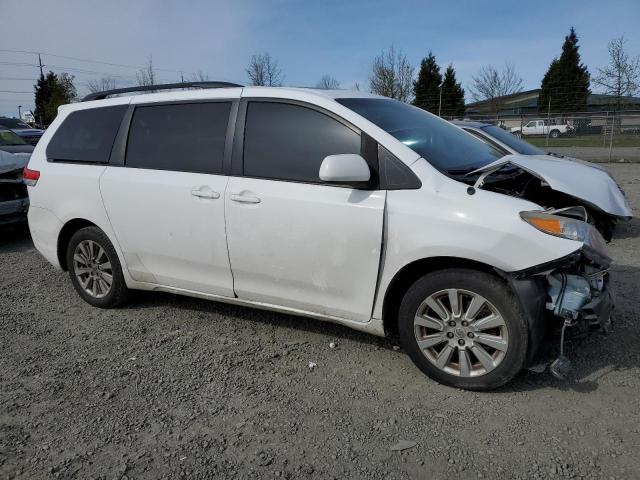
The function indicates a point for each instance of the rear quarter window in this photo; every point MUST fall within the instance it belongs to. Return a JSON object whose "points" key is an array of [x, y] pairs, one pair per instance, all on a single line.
{"points": [[86, 135]]}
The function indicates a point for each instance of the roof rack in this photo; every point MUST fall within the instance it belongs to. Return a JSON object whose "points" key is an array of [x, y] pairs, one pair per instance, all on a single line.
{"points": [[155, 88]]}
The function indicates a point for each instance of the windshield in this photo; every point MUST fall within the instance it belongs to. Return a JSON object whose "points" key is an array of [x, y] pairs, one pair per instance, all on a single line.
{"points": [[512, 141], [442, 144], [7, 137], [13, 123]]}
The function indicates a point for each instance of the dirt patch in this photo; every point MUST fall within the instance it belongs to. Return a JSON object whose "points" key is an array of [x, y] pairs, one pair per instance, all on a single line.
{"points": [[172, 387]]}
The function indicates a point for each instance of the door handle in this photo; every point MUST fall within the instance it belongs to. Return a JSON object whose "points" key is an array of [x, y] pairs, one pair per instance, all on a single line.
{"points": [[238, 197], [205, 193]]}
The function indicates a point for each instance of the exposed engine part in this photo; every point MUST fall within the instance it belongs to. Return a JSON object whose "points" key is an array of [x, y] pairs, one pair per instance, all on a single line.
{"points": [[569, 293]]}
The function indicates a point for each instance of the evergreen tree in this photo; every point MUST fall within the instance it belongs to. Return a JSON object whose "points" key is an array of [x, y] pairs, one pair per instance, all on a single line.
{"points": [[565, 86], [51, 91], [452, 95], [426, 88]]}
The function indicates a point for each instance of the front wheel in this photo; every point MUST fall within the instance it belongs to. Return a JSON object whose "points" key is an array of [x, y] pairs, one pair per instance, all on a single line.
{"points": [[464, 328]]}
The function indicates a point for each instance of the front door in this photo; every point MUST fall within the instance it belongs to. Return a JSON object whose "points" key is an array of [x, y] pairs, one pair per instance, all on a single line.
{"points": [[294, 241]]}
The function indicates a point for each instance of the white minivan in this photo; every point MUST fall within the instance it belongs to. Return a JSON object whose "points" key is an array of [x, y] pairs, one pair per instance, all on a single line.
{"points": [[336, 205]]}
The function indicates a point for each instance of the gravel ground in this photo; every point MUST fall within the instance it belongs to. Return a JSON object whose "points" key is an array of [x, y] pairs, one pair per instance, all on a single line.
{"points": [[172, 387]]}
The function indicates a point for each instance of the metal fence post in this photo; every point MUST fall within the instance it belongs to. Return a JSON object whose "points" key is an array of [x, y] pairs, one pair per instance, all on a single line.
{"points": [[611, 138]]}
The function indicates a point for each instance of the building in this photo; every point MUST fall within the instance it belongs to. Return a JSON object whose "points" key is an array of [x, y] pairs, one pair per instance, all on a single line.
{"points": [[526, 103]]}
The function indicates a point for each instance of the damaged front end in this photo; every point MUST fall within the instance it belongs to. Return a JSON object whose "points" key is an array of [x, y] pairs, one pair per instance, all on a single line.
{"points": [[14, 200], [557, 183], [570, 292]]}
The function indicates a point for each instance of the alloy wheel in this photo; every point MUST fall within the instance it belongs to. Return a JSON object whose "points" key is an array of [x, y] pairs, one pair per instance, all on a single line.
{"points": [[92, 268], [461, 332]]}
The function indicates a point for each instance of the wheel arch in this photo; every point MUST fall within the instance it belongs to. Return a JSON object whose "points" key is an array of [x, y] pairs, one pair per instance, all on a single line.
{"points": [[410, 273], [67, 231]]}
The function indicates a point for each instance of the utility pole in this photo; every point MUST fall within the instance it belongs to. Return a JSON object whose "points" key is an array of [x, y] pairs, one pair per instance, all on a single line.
{"points": [[40, 63], [19, 112]]}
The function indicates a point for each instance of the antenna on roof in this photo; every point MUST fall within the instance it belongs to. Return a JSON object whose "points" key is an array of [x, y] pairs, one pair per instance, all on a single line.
{"points": [[155, 88]]}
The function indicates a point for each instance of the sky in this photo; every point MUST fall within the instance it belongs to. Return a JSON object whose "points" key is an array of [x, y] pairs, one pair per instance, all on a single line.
{"points": [[308, 38]]}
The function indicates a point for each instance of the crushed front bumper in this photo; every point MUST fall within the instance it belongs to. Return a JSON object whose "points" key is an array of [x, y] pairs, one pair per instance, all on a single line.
{"points": [[584, 301]]}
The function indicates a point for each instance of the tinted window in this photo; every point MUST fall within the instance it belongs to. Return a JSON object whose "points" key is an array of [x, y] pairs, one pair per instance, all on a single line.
{"points": [[289, 142], [186, 137], [86, 135], [442, 144]]}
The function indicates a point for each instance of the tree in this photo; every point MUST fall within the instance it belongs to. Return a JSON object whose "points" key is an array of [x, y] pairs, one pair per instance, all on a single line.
{"points": [[101, 84], [263, 70], [565, 86], [621, 77], [51, 91], [493, 85], [426, 89], [392, 75], [199, 76], [146, 76], [327, 82], [452, 104]]}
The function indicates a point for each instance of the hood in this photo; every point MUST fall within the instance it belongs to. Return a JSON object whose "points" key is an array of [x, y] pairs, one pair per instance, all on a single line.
{"points": [[583, 181], [13, 161]]}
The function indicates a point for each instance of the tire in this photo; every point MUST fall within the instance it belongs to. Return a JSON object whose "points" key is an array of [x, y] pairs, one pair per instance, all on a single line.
{"points": [[92, 260], [518, 134], [511, 337], [555, 133]]}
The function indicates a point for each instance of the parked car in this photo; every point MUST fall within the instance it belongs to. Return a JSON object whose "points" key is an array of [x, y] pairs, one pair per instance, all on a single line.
{"points": [[14, 201], [340, 206], [603, 210], [12, 143], [542, 128], [23, 130]]}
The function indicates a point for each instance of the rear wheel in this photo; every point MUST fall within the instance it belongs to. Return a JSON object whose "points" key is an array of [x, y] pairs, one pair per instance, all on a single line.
{"points": [[464, 328], [555, 133], [94, 268]]}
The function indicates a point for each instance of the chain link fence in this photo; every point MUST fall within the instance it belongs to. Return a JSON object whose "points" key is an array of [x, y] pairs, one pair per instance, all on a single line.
{"points": [[592, 136]]}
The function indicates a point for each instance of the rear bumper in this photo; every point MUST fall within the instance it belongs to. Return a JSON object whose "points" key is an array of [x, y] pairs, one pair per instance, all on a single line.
{"points": [[45, 228]]}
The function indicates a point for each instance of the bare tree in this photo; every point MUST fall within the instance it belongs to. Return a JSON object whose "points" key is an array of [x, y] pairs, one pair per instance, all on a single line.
{"points": [[263, 70], [101, 84], [327, 82], [392, 75], [199, 76], [492, 85], [621, 77], [146, 76]]}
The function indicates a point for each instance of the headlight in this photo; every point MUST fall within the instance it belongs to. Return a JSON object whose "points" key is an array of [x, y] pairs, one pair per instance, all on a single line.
{"points": [[565, 227]]}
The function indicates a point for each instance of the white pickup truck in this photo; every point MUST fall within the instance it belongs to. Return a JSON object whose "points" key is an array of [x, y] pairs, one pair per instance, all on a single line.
{"points": [[542, 127]]}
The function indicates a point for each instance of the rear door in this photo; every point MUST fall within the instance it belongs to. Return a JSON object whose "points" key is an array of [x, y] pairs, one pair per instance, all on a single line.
{"points": [[166, 203], [294, 241]]}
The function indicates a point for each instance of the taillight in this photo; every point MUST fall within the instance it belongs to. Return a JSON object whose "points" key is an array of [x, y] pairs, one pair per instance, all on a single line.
{"points": [[30, 177]]}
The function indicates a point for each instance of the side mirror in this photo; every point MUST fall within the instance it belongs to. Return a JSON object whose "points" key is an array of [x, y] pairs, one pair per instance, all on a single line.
{"points": [[346, 168]]}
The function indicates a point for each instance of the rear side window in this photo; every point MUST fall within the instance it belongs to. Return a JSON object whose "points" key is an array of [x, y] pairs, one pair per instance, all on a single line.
{"points": [[180, 137], [289, 142], [86, 135]]}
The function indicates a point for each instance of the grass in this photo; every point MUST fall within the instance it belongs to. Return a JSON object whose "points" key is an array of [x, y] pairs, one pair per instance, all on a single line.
{"points": [[586, 141]]}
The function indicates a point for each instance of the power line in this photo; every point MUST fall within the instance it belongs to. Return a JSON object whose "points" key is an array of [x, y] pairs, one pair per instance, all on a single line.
{"points": [[137, 67]]}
